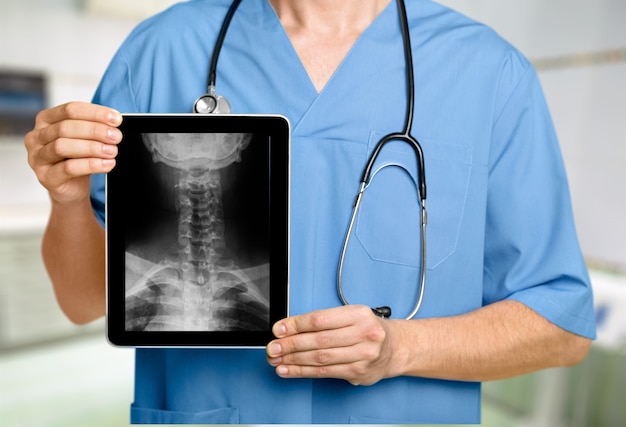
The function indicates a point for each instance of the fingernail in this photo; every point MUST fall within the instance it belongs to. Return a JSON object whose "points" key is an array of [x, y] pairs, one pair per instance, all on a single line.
{"points": [[114, 117], [275, 361], [108, 163], [114, 135], [109, 149], [279, 330], [282, 370], [274, 349]]}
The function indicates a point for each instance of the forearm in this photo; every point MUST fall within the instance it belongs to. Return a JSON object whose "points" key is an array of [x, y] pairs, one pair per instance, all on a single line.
{"points": [[73, 250], [498, 341]]}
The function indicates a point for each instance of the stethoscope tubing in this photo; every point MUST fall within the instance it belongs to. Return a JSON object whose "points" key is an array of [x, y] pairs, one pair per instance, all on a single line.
{"points": [[365, 180], [344, 249], [423, 222], [214, 104]]}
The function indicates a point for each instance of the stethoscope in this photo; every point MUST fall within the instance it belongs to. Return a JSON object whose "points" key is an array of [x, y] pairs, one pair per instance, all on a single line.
{"points": [[211, 103]]}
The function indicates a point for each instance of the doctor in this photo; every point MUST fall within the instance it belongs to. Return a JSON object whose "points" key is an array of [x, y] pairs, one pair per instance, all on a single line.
{"points": [[507, 290]]}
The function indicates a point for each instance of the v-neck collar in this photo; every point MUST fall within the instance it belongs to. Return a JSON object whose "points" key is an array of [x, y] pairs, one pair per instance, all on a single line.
{"points": [[301, 70], [278, 82]]}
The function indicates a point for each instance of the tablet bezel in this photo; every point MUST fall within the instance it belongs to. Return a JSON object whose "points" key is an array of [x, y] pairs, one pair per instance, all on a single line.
{"points": [[276, 129]]}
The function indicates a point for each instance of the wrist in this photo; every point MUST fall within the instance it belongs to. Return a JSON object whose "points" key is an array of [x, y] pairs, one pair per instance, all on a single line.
{"points": [[72, 212], [400, 345]]}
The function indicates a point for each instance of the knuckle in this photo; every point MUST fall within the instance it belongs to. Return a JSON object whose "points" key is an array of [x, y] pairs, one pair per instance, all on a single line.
{"points": [[71, 109], [35, 163], [323, 340], [322, 357], [290, 359], [30, 157], [359, 371], [58, 147], [362, 374], [63, 128], [97, 132], [321, 372], [40, 118], [375, 334], [30, 140], [371, 352], [94, 149], [70, 168], [319, 321], [41, 176]]}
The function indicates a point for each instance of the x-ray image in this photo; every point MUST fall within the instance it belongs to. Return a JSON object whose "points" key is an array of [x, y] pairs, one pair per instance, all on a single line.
{"points": [[197, 233]]}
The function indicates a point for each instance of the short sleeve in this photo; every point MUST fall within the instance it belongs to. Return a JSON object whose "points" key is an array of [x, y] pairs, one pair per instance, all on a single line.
{"points": [[532, 253], [115, 91]]}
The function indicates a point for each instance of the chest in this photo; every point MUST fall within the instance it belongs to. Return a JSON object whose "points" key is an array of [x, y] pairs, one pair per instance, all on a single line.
{"points": [[321, 54]]}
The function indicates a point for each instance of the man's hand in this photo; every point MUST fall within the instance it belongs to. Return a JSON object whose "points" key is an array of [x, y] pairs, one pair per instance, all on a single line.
{"points": [[71, 142], [347, 342]]}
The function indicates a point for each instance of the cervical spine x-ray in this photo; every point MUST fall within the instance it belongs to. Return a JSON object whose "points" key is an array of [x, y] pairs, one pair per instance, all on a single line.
{"points": [[197, 234]]}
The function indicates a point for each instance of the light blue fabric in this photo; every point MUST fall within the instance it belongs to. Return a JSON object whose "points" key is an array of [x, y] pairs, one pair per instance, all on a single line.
{"points": [[500, 223]]}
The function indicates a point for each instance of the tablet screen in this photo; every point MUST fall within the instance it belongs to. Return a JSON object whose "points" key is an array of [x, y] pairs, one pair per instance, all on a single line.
{"points": [[197, 230]]}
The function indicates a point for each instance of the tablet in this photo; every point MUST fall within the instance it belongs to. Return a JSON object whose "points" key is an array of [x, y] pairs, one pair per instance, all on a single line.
{"points": [[197, 230]]}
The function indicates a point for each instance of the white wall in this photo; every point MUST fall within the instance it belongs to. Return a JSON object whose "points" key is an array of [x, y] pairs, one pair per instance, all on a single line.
{"points": [[72, 48], [587, 96]]}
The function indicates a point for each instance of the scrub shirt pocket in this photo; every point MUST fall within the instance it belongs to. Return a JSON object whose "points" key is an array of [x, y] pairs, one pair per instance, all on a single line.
{"points": [[159, 416], [388, 223]]}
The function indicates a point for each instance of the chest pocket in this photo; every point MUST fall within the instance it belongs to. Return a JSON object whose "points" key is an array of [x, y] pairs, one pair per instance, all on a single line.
{"points": [[388, 224]]}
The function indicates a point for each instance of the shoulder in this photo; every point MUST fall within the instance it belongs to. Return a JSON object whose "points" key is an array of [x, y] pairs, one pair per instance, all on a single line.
{"points": [[163, 57], [189, 12], [457, 35], [448, 27], [473, 49], [179, 23]]}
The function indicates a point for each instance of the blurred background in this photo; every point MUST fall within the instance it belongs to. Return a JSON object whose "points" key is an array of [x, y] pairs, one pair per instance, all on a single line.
{"points": [[53, 373]]}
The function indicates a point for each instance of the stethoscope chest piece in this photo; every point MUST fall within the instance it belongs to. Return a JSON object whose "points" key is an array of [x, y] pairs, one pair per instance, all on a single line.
{"points": [[384, 312], [211, 103]]}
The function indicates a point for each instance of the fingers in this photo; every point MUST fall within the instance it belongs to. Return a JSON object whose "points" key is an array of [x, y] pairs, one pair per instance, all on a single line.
{"points": [[332, 318], [327, 347], [81, 111], [303, 343], [77, 139], [60, 173], [344, 342], [315, 357], [72, 141], [74, 149], [335, 327], [77, 121], [361, 363], [355, 373]]}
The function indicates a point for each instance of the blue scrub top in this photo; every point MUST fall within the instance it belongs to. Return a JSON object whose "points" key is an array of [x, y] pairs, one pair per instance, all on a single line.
{"points": [[499, 227]]}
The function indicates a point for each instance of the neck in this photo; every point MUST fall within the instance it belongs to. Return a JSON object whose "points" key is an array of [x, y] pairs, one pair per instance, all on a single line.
{"points": [[339, 17]]}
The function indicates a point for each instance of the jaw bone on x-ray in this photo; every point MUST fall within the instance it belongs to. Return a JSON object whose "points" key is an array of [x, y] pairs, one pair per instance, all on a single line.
{"points": [[197, 285]]}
